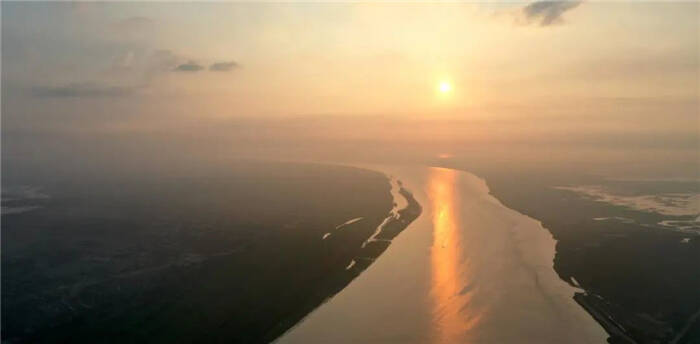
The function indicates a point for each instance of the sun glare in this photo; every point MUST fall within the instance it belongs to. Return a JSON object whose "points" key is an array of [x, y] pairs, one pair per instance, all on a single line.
{"points": [[444, 87]]}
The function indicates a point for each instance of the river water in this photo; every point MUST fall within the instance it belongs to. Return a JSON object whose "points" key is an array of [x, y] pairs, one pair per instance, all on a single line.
{"points": [[468, 270]]}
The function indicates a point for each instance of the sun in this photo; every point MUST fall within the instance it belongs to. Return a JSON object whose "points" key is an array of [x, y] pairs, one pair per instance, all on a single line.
{"points": [[444, 87]]}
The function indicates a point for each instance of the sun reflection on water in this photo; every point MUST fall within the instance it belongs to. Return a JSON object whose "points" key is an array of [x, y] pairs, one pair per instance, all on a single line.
{"points": [[451, 289]]}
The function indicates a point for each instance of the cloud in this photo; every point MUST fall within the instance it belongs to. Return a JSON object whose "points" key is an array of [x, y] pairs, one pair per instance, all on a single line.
{"points": [[190, 66], [81, 90], [546, 13], [223, 66]]}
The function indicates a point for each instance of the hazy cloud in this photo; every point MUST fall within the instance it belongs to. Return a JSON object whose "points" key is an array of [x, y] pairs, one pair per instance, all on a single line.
{"points": [[545, 13], [123, 62], [136, 21], [134, 25], [81, 90], [163, 60], [190, 66], [223, 66]]}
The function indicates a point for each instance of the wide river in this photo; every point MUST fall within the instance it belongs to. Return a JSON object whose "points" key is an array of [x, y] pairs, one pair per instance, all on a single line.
{"points": [[468, 270]]}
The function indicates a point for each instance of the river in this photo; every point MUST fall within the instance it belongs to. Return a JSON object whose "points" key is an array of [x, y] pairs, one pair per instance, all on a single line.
{"points": [[468, 270]]}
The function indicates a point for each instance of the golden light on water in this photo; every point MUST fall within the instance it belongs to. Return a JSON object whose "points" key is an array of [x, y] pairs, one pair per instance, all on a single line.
{"points": [[452, 316]]}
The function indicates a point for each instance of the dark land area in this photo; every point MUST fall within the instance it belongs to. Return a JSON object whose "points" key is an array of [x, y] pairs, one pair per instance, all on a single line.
{"points": [[641, 280], [231, 253]]}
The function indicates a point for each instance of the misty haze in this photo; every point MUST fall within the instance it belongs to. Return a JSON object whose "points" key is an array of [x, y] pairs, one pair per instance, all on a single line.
{"points": [[402, 172]]}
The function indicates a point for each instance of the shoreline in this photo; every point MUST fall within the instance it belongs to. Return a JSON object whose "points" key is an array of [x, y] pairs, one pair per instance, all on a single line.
{"points": [[583, 242], [396, 221], [587, 301], [590, 303], [451, 276], [245, 252]]}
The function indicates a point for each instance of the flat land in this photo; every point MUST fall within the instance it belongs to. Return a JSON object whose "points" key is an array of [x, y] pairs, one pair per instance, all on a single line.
{"points": [[232, 253], [641, 275]]}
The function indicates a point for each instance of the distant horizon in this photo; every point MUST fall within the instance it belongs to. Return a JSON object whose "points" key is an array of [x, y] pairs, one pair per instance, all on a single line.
{"points": [[350, 172], [555, 81]]}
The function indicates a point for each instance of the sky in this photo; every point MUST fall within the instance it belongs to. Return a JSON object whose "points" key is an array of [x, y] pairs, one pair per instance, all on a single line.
{"points": [[591, 74]]}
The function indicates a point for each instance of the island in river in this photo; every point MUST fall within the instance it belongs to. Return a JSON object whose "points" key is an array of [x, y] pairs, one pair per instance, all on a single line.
{"points": [[241, 252], [478, 272], [468, 270]]}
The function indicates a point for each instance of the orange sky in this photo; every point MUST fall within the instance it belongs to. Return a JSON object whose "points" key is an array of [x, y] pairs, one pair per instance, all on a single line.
{"points": [[611, 73]]}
